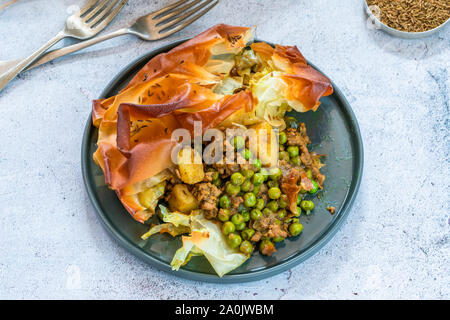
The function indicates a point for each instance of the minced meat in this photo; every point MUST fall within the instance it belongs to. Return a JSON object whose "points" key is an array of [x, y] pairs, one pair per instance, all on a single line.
{"points": [[209, 176], [236, 201], [298, 137], [207, 195], [332, 210], [226, 169], [270, 227]]}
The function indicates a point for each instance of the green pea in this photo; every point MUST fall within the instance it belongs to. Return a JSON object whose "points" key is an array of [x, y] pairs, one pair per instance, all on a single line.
{"points": [[247, 154], [295, 229], [295, 220], [247, 173], [291, 122], [258, 179], [232, 190], [296, 161], [267, 212], [224, 202], [246, 247], [249, 199], [309, 174], [284, 155], [246, 186], [228, 227], [238, 142], [265, 245], [217, 182], [257, 164], [256, 189], [299, 212], [237, 218], [278, 239], [275, 174], [283, 201], [234, 240], [272, 206], [224, 215], [260, 204], [274, 193], [241, 226], [282, 213], [255, 214], [272, 184], [315, 187], [265, 173], [307, 205], [246, 216], [237, 179], [282, 137], [247, 233], [293, 151]]}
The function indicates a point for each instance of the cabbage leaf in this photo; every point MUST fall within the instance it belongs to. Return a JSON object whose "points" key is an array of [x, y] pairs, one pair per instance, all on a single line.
{"points": [[206, 238], [270, 92], [175, 218], [165, 228]]}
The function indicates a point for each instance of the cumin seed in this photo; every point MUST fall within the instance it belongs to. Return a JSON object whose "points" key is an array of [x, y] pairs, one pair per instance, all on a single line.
{"points": [[413, 15]]}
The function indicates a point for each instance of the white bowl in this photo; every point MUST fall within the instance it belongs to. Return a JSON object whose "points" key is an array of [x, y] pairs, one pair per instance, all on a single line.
{"points": [[398, 33]]}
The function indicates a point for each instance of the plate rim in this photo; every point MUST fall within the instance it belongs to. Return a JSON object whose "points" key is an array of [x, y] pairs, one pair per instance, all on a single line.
{"points": [[229, 278]]}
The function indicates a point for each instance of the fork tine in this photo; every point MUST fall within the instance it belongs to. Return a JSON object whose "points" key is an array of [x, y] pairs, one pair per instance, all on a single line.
{"points": [[86, 7], [176, 12], [102, 13], [94, 11], [111, 16], [168, 8], [185, 15], [185, 23]]}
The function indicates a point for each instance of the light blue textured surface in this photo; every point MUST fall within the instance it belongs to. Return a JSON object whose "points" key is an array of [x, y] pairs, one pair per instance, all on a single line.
{"points": [[395, 243]]}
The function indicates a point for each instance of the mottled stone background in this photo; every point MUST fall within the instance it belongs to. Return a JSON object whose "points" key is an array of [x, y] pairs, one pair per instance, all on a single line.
{"points": [[395, 243]]}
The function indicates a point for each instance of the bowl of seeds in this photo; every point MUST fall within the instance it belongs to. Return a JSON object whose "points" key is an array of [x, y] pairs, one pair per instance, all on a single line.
{"points": [[408, 18]]}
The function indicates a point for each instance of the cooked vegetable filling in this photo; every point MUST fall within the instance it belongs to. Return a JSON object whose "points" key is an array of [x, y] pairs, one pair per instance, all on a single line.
{"points": [[255, 206]]}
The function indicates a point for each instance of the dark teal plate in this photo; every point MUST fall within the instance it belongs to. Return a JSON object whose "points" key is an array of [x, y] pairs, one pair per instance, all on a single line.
{"points": [[333, 130]]}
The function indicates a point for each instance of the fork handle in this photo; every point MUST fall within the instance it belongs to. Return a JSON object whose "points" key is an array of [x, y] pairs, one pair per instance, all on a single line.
{"points": [[49, 56], [7, 76]]}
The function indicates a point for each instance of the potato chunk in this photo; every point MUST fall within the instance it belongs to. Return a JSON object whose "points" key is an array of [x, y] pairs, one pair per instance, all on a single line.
{"points": [[190, 166], [181, 199], [149, 198]]}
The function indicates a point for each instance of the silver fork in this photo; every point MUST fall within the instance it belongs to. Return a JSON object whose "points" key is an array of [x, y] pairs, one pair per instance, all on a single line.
{"points": [[84, 24], [156, 25]]}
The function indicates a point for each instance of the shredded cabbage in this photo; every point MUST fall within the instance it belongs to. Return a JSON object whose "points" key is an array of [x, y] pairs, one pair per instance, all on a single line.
{"points": [[270, 92], [152, 181], [266, 85], [166, 227], [206, 238], [246, 60], [176, 218], [228, 85]]}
